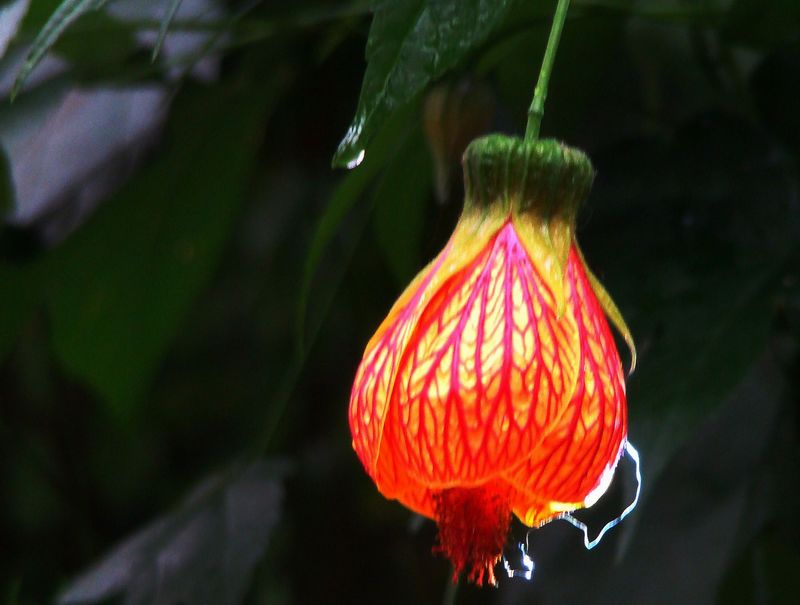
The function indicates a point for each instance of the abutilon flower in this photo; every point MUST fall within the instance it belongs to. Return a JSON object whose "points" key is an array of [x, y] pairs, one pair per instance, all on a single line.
{"points": [[494, 387]]}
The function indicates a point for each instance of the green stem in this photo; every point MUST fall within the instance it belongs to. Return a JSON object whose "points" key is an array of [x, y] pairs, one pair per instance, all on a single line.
{"points": [[450, 592], [536, 110]]}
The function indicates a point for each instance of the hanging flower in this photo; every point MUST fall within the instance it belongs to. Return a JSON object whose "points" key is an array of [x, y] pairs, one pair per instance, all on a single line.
{"points": [[494, 386]]}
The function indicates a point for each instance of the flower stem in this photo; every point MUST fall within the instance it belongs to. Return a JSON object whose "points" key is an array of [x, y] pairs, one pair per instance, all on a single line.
{"points": [[536, 110], [450, 592]]}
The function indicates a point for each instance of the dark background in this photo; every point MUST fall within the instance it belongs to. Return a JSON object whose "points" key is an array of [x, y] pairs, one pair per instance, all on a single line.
{"points": [[186, 288]]}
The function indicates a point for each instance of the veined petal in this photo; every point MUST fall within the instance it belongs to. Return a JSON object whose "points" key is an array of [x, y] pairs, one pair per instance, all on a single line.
{"points": [[486, 370], [547, 244], [586, 439], [610, 308], [494, 385], [378, 370]]}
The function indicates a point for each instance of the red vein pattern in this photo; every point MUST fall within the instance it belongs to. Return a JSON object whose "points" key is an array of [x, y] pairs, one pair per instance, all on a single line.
{"points": [[474, 384], [587, 439]]}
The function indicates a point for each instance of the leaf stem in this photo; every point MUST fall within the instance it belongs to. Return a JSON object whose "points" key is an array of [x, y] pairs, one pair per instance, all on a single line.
{"points": [[536, 110]]}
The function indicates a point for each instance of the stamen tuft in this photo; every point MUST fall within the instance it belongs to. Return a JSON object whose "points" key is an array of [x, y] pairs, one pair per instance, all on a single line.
{"points": [[473, 525]]}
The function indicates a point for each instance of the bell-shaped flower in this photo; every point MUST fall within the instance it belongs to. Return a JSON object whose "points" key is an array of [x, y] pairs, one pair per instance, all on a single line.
{"points": [[494, 387]]}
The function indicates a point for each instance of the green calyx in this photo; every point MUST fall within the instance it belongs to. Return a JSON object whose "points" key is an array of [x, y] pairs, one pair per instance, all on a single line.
{"points": [[540, 185], [543, 177]]}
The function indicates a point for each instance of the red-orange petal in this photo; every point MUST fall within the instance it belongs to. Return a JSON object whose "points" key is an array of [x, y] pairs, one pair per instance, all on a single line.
{"points": [[585, 442], [486, 369]]}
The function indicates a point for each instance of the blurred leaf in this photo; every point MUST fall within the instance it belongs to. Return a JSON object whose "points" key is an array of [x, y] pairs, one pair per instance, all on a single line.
{"points": [[767, 573], [207, 26], [700, 295], [87, 142], [98, 46], [673, 11], [11, 15], [706, 340], [345, 196], [66, 13], [169, 15], [125, 280], [20, 293], [702, 499], [706, 487], [203, 553], [411, 43], [774, 84], [6, 188], [763, 24], [780, 562], [38, 14], [401, 197]]}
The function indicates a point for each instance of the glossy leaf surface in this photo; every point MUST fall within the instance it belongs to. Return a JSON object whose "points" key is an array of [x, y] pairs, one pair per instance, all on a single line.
{"points": [[411, 43]]}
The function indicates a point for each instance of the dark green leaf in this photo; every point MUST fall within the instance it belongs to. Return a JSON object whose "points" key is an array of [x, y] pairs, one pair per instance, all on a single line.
{"points": [[344, 198], [6, 189], [203, 553], [411, 43], [774, 85], [38, 14], [766, 573], [20, 293], [703, 347], [98, 46], [67, 13], [763, 25], [401, 198], [673, 11], [125, 280]]}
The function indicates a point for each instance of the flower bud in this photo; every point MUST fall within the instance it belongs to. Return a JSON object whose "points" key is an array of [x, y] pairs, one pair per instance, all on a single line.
{"points": [[454, 114]]}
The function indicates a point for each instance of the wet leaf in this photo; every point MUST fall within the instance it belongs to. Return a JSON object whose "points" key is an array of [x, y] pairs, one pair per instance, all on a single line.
{"points": [[411, 43], [114, 313], [762, 25], [202, 553]]}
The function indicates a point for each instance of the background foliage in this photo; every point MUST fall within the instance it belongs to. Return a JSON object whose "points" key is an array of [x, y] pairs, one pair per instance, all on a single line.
{"points": [[186, 287]]}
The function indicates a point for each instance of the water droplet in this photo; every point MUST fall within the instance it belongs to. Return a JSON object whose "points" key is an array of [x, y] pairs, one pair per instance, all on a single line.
{"points": [[348, 154], [356, 160]]}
